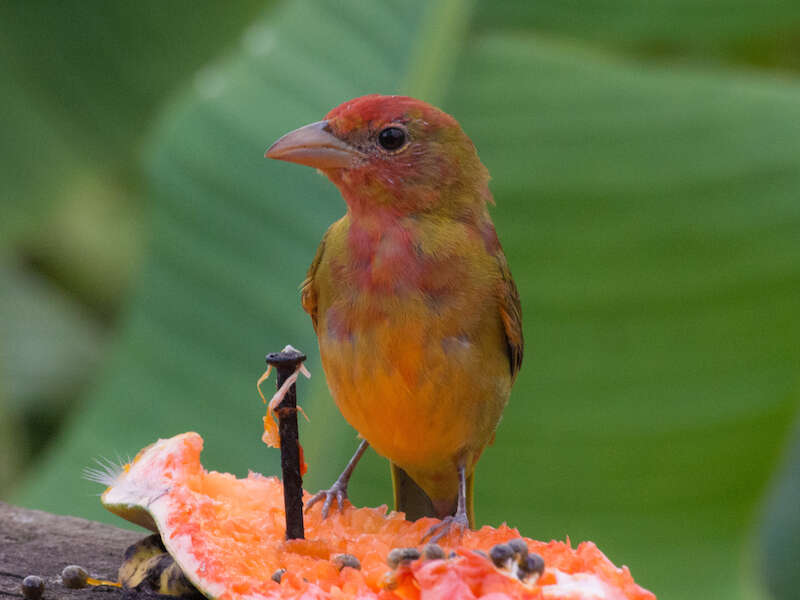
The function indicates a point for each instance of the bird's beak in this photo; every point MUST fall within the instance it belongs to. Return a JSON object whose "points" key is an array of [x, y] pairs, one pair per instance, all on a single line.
{"points": [[315, 146]]}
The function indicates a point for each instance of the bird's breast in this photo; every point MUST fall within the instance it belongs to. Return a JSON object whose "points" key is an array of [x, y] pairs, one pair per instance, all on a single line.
{"points": [[407, 335]]}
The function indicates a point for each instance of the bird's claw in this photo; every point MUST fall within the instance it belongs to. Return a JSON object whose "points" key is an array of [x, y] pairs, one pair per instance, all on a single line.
{"points": [[337, 491], [457, 522]]}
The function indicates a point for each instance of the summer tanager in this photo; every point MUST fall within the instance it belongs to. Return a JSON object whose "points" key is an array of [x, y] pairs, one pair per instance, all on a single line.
{"points": [[417, 316]]}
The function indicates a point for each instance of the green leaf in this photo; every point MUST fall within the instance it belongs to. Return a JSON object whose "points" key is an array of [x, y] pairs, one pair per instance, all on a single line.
{"points": [[761, 33], [48, 345], [81, 81], [49, 348], [650, 217]]}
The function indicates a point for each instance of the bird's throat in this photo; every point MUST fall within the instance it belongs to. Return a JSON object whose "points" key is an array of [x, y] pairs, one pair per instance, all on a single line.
{"points": [[384, 253]]}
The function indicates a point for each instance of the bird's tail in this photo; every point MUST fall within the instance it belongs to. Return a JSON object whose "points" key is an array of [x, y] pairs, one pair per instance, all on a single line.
{"points": [[415, 503]]}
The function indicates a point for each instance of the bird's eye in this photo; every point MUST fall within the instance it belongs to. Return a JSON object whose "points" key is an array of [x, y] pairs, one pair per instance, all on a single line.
{"points": [[392, 138]]}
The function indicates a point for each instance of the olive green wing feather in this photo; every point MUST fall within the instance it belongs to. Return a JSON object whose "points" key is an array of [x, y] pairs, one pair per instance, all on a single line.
{"points": [[308, 289], [511, 315]]}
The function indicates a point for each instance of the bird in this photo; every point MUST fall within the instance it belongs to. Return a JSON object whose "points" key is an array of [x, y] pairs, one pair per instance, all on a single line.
{"points": [[417, 316]]}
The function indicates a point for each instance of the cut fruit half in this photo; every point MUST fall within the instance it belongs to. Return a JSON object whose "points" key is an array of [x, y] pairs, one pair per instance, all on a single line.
{"points": [[227, 535]]}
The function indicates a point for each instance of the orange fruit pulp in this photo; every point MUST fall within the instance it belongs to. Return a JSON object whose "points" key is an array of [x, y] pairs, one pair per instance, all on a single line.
{"points": [[227, 535]]}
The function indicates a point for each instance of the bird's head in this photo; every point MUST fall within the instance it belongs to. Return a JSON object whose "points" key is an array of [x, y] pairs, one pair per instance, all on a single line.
{"points": [[392, 152]]}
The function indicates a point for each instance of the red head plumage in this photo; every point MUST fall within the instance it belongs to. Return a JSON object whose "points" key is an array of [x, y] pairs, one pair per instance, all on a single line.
{"points": [[394, 152]]}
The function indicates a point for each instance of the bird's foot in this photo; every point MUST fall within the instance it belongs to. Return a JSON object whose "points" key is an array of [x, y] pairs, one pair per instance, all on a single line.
{"points": [[339, 488], [457, 522], [338, 492]]}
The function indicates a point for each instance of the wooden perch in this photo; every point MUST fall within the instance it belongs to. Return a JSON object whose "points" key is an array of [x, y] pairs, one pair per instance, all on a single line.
{"points": [[33, 542]]}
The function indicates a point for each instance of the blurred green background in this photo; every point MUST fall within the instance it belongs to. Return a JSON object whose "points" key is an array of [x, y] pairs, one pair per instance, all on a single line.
{"points": [[646, 166]]}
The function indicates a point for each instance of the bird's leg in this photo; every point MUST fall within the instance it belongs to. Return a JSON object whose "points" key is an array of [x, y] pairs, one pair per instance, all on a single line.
{"points": [[339, 488], [459, 520]]}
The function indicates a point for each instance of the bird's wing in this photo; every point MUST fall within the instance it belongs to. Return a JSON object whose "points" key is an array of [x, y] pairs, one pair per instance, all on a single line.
{"points": [[511, 315], [308, 291]]}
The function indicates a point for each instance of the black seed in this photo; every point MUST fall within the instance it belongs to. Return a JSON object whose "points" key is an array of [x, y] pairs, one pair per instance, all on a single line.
{"points": [[480, 553], [452, 554], [519, 547], [500, 554], [392, 138], [532, 564], [401, 555], [346, 560], [276, 576], [433, 552], [74, 577], [32, 587]]}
